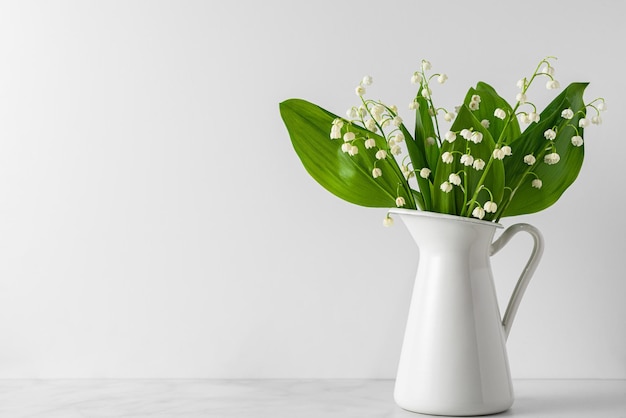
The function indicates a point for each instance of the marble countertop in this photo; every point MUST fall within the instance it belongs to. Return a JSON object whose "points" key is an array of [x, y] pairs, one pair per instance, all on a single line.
{"points": [[163, 398]]}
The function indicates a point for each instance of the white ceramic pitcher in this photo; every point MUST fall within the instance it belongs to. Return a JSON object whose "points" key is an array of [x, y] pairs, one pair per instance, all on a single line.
{"points": [[453, 359]]}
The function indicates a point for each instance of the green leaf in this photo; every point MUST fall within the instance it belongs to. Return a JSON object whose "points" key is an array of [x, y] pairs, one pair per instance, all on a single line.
{"points": [[455, 202], [349, 178], [555, 178], [489, 102], [424, 129], [418, 161]]}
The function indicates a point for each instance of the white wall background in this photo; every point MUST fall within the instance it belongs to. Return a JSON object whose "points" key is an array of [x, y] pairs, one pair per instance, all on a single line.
{"points": [[155, 221]]}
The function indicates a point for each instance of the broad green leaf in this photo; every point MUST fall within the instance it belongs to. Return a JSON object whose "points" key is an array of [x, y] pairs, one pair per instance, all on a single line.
{"points": [[489, 102], [456, 201], [418, 161], [424, 129], [349, 178], [555, 178]]}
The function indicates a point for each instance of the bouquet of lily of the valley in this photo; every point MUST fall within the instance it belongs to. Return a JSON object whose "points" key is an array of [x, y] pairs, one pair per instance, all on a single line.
{"points": [[482, 166]]}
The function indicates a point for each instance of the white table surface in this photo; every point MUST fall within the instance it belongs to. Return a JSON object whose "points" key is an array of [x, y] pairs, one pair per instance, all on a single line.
{"points": [[281, 399]]}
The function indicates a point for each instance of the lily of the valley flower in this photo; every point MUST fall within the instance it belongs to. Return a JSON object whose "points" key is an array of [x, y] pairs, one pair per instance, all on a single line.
{"points": [[567, 113], [474, 102], [414, 105], [552, 85], [448, 116], [335, 131], [346, 147], [370, 124], [450, 136], [397, 121], [377, 172], [388, 221], [370, 143], [353, 151], [490, 207], [583, 123], [479, 164], [520, 97], [596, 120], [400, 201], [552, 158], [442, 78], [367, 80], [536, 183], [416, 78], [447, 157], [359, 90], [534, 117], [549, 134], [399, 137], [381, 154], [499, 113], [454, 179], [396, 150], [577, 140], [467, 160], [485, 123], [498, 154], [466, 133], [425, 172], [348, 136], [446, 187], [478, 212], [530, 159], [426, 65], [476, 137]]}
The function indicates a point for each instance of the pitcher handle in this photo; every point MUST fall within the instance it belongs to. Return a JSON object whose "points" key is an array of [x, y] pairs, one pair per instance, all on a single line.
{"points": [[529, 269]]}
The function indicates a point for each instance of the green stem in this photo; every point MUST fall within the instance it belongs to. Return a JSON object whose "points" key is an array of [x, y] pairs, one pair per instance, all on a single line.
{"points": [[506, 204]]}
